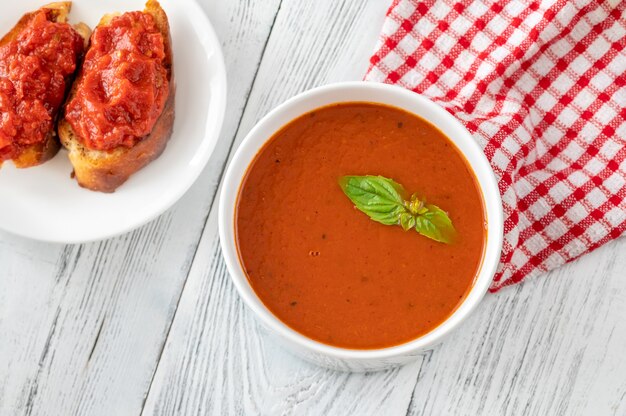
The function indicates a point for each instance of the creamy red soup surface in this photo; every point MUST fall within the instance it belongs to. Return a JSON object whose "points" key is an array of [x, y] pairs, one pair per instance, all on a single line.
{"points": [[326, 269]]}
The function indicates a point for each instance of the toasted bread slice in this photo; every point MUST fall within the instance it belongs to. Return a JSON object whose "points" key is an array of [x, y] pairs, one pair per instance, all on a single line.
{"points": [[105, 171], [43, 151]]}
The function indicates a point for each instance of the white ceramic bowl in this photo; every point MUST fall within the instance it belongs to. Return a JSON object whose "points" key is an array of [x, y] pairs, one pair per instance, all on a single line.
{"points": [[322, 354]]}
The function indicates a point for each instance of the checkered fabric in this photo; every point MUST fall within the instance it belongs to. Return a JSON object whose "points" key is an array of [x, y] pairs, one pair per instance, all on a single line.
{"points": [[542, 87]]}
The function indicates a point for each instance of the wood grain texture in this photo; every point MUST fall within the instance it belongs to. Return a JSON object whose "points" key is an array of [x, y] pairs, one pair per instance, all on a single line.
{"points": [[82, 327]]}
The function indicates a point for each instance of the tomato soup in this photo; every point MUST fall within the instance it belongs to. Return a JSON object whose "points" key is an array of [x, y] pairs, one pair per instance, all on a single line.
{"points": [[326, 269]]}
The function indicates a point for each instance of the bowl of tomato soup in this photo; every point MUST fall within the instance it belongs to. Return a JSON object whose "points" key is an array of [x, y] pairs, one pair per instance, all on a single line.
{"points": [[361, 223]]}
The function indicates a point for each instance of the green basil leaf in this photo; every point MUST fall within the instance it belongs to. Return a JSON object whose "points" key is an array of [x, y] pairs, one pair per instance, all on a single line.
{"points": [[378, 197], [436, 224], [407, 221], [382, 199]]}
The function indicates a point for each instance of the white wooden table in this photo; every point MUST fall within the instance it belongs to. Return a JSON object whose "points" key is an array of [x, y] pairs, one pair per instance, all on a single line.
{"points": [[149, 323]]}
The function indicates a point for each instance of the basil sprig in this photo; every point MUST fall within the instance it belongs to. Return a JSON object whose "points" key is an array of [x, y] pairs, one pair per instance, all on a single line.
{"points": [[382, 200]]}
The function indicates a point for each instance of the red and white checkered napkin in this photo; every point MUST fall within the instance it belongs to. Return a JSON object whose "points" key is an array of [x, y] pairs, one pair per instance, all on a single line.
{"points": [[542, 87]]}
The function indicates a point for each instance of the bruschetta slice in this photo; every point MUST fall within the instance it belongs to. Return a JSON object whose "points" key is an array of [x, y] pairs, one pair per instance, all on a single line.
{"points": [[38, 60], [120, 112]]}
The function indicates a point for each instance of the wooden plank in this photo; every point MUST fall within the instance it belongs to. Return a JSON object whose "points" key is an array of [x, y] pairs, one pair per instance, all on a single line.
{"points": [[217, 361], [552, 346], [82, 327]]}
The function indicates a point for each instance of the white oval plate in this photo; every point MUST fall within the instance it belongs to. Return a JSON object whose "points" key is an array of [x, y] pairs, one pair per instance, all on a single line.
{"points": [[44, 203]]}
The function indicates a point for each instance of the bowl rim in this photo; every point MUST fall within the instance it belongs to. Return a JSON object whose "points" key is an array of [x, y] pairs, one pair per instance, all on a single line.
{"points": [[236, 173]]}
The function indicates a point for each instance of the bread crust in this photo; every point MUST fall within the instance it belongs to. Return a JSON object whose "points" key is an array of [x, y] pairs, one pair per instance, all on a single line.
{"points": [[105, 171], [41, 152]]}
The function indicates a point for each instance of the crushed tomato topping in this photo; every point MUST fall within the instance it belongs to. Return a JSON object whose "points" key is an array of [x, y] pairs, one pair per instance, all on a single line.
{"points": [[124, 85], [34, 70]]}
